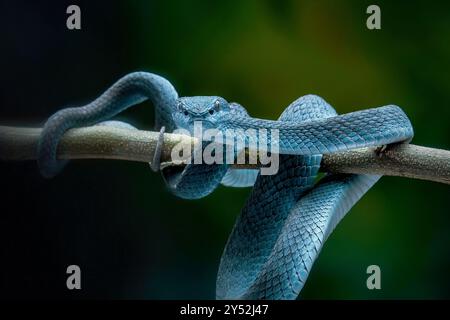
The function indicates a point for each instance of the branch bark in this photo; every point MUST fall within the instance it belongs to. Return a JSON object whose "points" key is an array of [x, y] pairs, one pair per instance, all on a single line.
{"points": [[102, 142]]}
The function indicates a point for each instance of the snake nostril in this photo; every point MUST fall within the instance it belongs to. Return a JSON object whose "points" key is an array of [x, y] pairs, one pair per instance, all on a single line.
{"points": [[211, 111], [186, 113]]}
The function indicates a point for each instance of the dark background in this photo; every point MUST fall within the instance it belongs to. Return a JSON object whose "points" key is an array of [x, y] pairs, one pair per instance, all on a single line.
{"points": [[131, 238]]}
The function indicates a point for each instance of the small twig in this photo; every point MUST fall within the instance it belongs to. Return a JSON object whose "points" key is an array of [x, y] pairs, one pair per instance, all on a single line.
{"points": [[102, 142]]}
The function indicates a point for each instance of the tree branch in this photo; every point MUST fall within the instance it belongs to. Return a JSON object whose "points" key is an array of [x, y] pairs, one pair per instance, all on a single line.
{"points": [[103, 142]]}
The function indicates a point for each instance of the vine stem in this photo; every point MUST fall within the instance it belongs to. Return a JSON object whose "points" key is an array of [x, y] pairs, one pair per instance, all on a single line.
{"points": [[103, 142]]}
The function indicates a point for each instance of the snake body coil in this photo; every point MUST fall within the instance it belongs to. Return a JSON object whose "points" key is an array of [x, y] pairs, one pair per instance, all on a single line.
{"points": [[288, 216]]}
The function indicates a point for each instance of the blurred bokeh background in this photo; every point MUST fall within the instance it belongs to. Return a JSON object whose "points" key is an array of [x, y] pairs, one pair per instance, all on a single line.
{"points": [[116, 220]]}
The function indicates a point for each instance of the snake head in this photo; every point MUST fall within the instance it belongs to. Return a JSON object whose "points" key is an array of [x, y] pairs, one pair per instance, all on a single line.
{"points": [[209, 110]]}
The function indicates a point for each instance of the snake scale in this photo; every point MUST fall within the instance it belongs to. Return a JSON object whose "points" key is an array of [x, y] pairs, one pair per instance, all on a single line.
{"points": [[288, 216]]}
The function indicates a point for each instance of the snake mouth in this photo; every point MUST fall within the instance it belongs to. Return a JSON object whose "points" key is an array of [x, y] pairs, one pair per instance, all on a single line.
{"points": [[201, 121]]}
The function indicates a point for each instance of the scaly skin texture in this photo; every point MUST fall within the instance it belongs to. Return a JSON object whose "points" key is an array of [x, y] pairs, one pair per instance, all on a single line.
{"points": [[284, 223], [288, 216]]}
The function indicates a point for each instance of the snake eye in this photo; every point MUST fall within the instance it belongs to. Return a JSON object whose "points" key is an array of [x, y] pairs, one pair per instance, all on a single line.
{"points": [[216, 107], [182, 109]]}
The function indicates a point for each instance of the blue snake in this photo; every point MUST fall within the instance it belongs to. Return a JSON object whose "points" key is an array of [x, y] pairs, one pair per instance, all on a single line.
{"points": [[288, 216]]}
